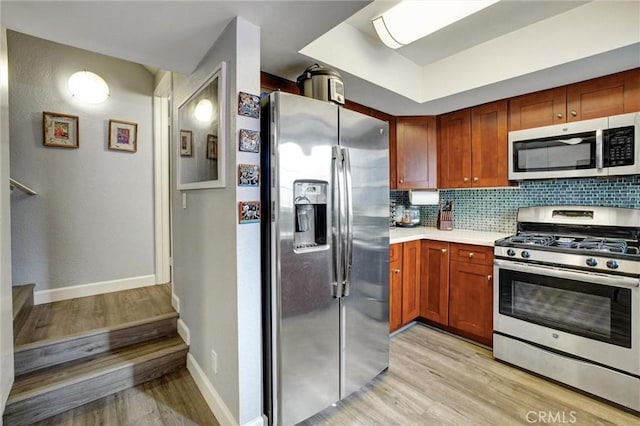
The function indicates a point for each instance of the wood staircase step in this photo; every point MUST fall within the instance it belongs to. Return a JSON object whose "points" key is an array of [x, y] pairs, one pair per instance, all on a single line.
{"points": [[45, 353], [22, 296], [42, 394]]}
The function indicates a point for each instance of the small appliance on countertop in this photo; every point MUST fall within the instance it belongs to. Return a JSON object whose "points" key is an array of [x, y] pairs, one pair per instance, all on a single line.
{"points": [[409, 218]]}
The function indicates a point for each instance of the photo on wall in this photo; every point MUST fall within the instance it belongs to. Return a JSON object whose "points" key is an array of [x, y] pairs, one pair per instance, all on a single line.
{"points": [[248, 175], [249, 141], [212, 147], [123, 136], [186, 143], [248, 211], [60, 130], [249, 105]]}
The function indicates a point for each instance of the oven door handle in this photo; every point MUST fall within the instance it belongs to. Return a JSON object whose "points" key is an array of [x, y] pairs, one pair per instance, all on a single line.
{"points": [[612, 280]]}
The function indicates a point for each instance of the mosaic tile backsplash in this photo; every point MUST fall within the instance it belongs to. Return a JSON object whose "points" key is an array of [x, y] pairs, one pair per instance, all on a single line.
{"points": [[495, 209]]}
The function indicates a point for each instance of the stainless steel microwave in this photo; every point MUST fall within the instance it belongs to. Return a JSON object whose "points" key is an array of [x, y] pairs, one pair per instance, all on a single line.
{"points": [[608, 146]]}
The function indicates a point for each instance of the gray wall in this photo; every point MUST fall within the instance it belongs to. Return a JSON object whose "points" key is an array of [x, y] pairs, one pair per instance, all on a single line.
{"points": [[92, 219], [6, 317], [216, 261]]}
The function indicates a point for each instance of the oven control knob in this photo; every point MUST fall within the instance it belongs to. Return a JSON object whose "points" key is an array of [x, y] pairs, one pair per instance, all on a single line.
{"points": [[525, 254], [511, 252], [612, 264], [592, 262]]}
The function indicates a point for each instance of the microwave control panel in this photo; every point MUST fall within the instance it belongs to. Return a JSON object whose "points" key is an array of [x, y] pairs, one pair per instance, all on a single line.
{"points": [[620, 144]]}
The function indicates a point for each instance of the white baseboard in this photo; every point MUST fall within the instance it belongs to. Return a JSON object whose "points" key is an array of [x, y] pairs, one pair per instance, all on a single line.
{"points": [[183, 331], [214, 401], [258, 421], [91, 289], [175, 302]]}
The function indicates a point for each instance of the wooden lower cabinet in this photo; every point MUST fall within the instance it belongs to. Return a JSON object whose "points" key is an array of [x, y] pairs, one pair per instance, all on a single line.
{"points": [[434, 281], [404, 283], [410, 281], [471, 299], [395, 287]]}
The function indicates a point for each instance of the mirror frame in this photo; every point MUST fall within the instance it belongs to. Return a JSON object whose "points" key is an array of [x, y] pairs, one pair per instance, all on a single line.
{"points": [[221, 74]]}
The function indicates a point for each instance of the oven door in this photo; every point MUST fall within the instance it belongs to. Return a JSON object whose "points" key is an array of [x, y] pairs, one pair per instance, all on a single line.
{"points": [[587, 315]]}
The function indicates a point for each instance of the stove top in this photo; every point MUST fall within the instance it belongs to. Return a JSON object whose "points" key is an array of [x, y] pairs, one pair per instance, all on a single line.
{"points": [[571, 243]]}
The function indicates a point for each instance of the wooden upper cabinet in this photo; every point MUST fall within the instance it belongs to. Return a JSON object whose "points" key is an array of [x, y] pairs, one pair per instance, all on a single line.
{"points": [[434, 281], [270, 83], [610, 95], [454, 149], [472, 147], [599, 97], [489, 145], [410, 281], [416, 153], [538, 109]]}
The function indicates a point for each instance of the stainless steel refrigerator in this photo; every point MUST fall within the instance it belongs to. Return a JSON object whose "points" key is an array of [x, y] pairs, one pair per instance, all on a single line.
{"points": [[325, 245]]}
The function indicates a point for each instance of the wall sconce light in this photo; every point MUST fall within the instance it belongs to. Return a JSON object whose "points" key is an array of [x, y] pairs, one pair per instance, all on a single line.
{"points": [[88, 87], [409, 21], [203, 110]]}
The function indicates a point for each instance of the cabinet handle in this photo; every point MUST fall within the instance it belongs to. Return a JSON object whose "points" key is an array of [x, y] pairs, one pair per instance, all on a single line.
{"points": [[471, 255], [574, 113], [396, 271], [475, 178], [401, 180], [466, 179], [559, 115], [443, 250], [489, 277]]}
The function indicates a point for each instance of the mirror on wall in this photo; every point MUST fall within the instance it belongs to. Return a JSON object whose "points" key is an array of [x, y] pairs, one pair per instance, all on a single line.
{"points": [[200, 136]]}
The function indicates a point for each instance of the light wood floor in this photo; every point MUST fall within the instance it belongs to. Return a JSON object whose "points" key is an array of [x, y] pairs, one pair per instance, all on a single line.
{"points": [[437, 379], [173, 399], [74, 316]]}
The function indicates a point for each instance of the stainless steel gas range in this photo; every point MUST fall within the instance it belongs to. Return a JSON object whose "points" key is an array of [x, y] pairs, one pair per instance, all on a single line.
{"points": [[567, 298]]}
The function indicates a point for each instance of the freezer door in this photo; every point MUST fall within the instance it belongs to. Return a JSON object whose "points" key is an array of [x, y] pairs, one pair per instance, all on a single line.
{"points": [[365, 306], [306, 312]]}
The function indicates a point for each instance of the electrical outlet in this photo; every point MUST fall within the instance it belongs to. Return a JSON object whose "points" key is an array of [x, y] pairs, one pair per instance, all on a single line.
{"points": [[214, 361]]}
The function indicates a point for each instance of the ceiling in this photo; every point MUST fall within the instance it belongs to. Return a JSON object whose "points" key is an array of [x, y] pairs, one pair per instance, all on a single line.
{"points": [[510, 48]]}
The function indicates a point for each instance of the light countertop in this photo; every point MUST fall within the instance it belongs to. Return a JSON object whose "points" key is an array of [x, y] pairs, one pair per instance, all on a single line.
{"points": [[464, 236]]}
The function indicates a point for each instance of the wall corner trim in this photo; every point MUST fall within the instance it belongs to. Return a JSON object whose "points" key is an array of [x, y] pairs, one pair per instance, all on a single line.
{"points": [[92, 289], [213, 399], [175, 302]]}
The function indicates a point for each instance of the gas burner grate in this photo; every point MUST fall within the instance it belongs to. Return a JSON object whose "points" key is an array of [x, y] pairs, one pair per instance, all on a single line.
{"points": [[615, 246], [533, 239]]}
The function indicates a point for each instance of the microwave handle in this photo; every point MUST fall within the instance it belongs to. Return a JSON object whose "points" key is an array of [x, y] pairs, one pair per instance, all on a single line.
{"points": [[599, 150]]}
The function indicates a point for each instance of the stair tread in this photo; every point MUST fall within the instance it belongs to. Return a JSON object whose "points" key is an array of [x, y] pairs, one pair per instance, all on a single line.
{"points": [[52, 378], [20, 294], [92, 332], [72, 317]]}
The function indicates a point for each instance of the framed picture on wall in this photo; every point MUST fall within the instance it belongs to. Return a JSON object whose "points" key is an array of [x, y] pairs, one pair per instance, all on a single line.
{"points": [[212, 147], [60, 130], [123, 136], [186, 143]]}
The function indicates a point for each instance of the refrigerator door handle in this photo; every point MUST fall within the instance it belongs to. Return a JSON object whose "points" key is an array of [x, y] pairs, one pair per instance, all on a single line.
{"points": [[348, 237], [337, 185]]}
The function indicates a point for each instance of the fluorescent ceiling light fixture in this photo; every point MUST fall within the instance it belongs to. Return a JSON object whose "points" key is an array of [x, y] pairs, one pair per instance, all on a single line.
{"points": [[204, 110], [411, 20], [88, 87]]}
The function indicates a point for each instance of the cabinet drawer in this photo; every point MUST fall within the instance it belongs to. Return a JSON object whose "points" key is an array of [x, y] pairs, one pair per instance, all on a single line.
{"points": [[395, 252], [478, 255]]}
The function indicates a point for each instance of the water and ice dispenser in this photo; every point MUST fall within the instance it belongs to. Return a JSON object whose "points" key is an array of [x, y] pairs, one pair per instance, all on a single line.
{"points": [[310, 203]]}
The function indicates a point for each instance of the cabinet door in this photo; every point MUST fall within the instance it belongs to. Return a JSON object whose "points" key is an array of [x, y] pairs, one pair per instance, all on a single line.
{"points": [[489, 145], [610, 95], [471, 299], [454, 149], [538, 109], [416, 153], [410, 281], [392, 145], [434, 281], [395, 295]]}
